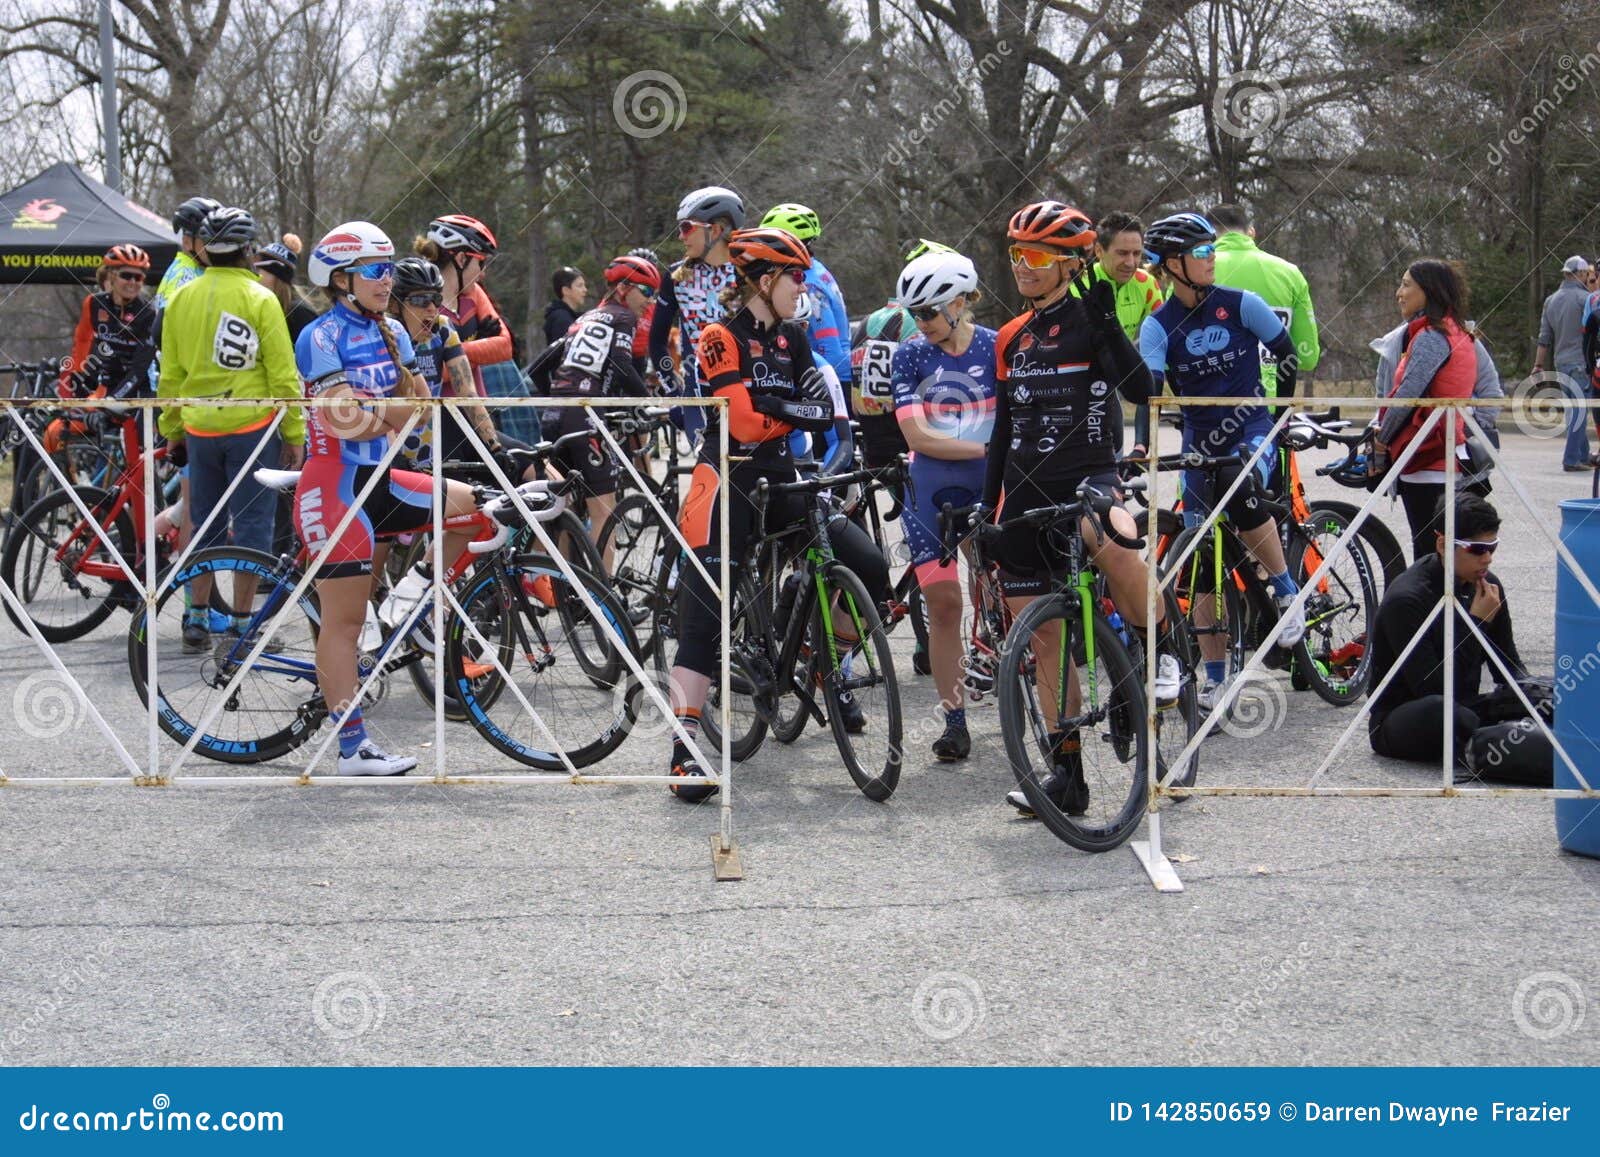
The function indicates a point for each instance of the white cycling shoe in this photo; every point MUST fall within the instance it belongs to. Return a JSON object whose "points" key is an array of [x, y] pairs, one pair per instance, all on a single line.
{"points": [[373, 760], [1169, 679], [1294, 623], [1211, 693]]}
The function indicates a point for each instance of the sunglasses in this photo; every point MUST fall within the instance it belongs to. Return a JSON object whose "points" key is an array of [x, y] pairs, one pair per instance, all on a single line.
{"points": [[927, 312], [1202, 251], [1037, 258], [374, 271], [645, 291], [423, 300], [130, 275], [798, 276], [687, 227], [1479, 548]]}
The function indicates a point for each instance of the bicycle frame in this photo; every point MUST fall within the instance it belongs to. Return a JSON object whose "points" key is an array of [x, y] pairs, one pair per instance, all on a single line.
{"points": [[129, 494]]}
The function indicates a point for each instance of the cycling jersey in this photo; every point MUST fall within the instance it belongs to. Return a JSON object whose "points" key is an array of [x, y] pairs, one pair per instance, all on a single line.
{"points": [[596, 355], [953, 396], [749, 363], [343, 347], [112, 348], [225, 336], [692, 304], [1279, 283], [829, 328], [484, 334], [1137, 298], [184, 269], [434, 356], [1057, 377]]}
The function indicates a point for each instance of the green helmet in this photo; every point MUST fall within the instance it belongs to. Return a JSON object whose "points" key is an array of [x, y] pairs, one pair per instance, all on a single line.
{"points": [[797, 219], [922, 246]]}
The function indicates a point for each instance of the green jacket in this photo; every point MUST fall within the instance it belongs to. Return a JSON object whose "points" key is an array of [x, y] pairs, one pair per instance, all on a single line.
{"points": [[225, 336], [1241, 265], [1137, 298]]}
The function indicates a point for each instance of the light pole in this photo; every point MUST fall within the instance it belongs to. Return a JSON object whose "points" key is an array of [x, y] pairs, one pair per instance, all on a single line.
{"points": [[108, 97]]}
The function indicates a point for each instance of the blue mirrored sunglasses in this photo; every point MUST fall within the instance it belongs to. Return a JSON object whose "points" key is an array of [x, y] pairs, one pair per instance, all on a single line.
{"points": [[374, 271], [1203, 251]]}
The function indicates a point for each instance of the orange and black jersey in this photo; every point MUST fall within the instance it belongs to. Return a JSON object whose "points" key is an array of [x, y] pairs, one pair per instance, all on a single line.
{"points": [[755, 367], [112, 348], [1056, 407]]}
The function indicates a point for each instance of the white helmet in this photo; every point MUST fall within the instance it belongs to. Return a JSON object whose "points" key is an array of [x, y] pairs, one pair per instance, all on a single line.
{"points": [[353, 243], [935, 279], [711, 203]]}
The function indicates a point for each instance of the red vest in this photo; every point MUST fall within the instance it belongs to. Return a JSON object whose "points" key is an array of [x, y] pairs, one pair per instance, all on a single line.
{"points": [[1455, 379]]}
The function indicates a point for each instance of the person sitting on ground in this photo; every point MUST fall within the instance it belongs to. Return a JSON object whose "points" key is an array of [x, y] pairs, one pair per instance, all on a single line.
{"points": [[1407, 719]]}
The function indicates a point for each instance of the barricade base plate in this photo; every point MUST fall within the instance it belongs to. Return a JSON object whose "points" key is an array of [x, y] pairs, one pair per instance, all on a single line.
{"points": [[1160, 870], [725, 861]]}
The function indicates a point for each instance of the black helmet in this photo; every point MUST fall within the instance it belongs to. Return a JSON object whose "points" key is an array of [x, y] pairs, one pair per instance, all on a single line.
{"points": [[417, 275], [227, 230], [1175, 235], [187, 217]]}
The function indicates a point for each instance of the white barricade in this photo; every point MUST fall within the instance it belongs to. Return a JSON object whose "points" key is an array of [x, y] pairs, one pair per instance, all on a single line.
{"points": [[148, 587], [1149, 851]]}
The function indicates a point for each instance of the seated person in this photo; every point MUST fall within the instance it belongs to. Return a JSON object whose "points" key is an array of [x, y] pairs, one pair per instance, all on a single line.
{"points": [[1407, 720]]}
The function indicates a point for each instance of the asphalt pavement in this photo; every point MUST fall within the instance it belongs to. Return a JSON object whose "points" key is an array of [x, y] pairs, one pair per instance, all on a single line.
{"points": [[581, 925]]}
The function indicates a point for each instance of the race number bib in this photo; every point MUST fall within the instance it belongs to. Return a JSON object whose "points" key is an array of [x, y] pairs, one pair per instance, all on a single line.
{"points": [[235, 345], [1285, 315], [588, 348], [874, 382]]}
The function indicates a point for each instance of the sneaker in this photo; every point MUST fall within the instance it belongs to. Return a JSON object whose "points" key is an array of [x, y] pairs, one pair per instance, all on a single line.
{"points": [[1169, 679], [1064, 785], [372, 760], [954, 744], [689, 768], [1211, 693], [371, 632], [240, 629], [850, 712], [1294, 628], [196, 634], [403, 599]]}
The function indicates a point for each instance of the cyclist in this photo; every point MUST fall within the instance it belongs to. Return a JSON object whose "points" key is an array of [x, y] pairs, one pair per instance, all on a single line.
{"points": [[944, 401], [276, 264], [112, 346], [1058, 367], [354, 352], [641, 333], [185, 267], [461, 247], [827, 320], [225, 335], [1206, 342], [758, 359], [1119, 247], [595, 360], [691, 298]]}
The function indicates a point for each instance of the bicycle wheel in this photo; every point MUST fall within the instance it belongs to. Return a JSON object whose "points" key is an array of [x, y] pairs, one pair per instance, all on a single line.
{"points": [[276, 706], [635, 537], [1333, 654], [59, 568], [1177, 722], [1103, 707], [855, 667], [1380, 540], [750, 679], [519, 613], [791, 713], [1200, 580]]}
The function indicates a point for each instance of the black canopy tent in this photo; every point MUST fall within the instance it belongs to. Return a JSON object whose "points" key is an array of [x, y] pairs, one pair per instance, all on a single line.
{"points": [[54, 229]]}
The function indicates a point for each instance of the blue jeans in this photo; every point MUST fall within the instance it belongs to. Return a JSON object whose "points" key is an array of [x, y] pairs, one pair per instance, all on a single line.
{"points": [[213, 463], [1577, 449]]}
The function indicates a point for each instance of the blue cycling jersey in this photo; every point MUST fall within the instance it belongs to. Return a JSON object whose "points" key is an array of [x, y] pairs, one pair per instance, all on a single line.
{"points": [[343, 347], [1214, 351], [952, 395], [829, 331]]}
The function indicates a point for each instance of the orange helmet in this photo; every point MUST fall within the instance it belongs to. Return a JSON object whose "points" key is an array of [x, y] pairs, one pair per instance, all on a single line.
{"points": [[1051, 223], [757, 250], [125, 256]]}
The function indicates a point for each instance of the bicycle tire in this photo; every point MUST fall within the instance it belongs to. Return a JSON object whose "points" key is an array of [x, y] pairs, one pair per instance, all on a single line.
{"points": [[1191, 583], [47, 529], [1386, 547], [634, 534], [1334, 672], [289, 719], [746, 678], [587, 720], [876, 779], [1124, 737]]}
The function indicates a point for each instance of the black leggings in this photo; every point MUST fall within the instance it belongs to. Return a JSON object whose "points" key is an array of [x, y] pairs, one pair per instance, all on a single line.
{"points": [[699, 613], [1415, 731], [1423, 516]]}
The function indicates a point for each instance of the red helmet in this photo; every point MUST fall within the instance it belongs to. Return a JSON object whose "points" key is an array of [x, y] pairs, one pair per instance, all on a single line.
{"points": [[633, 269], [125, 256], [756, 250], [1051, 223], [456, 231]]}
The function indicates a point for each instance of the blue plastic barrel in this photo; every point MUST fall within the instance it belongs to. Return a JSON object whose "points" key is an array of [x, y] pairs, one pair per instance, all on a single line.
{"points": [[1578, 676]]}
